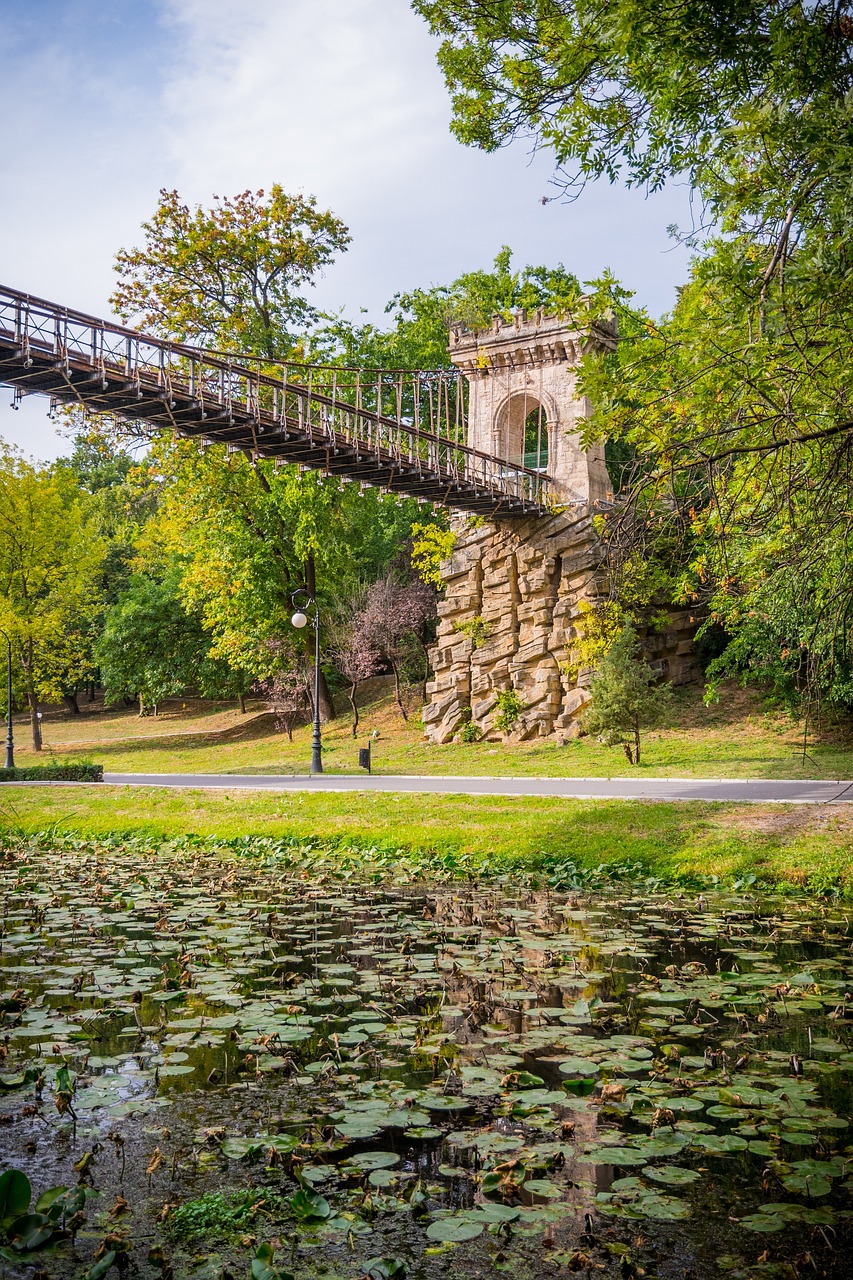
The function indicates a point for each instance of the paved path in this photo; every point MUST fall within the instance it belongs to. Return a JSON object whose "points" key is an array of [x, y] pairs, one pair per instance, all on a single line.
{"points": [[749, 790]]}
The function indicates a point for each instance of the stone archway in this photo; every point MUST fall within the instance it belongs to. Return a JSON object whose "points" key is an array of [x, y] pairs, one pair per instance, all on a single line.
{"points": [[524, 425]]}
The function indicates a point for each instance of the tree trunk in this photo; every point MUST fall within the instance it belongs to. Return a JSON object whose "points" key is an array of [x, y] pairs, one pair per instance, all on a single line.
{"points": [[141, 706], [626, 747], [70, 700], [398, 697], [354, 705], [32, 697], [90, 691], [242, 698], [636, 744]]}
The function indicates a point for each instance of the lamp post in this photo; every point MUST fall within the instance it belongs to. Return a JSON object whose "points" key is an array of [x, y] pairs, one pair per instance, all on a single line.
{"points": [[10, 742], [300, 620]]}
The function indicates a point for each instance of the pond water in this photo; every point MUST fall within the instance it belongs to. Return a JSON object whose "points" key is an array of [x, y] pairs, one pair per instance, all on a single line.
{"points": [[230, 1065]]}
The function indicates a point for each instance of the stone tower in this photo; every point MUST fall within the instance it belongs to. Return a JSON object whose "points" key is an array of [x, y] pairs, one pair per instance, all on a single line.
{"points": [[516, 588], [523, 403]]}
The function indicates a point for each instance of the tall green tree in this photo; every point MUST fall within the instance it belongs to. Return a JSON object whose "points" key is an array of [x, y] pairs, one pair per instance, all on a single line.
{"points": [[49, 558], [232, 276], [417, 335], [153, 648]]}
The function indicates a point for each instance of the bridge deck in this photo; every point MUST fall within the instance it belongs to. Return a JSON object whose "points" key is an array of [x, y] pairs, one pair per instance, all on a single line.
{"points": [[108, 369]]}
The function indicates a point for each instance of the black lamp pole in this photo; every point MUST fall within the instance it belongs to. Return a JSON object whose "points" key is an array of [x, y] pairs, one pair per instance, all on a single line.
{"points": [[300, 620], [10, 741]]}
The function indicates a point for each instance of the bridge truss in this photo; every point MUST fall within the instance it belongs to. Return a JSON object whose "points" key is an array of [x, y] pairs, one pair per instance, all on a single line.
{"points": [[403, 431]]}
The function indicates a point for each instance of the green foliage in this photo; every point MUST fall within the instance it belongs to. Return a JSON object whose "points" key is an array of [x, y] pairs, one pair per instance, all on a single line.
{"points": [[217, 1216], [432, 544], [26, 1230], [152, 646], [728, 424], [231, 276], [49, 557], [476, 629], [469, 731], [509, 708], [418, 336], [626, 696], [83, 772], [262, 1268]]}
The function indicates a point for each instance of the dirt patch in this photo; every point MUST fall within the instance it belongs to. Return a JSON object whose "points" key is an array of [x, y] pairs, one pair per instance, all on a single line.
{"points": [[790, 821]]}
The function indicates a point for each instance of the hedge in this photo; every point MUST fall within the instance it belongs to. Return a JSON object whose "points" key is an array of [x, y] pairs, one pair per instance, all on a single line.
{"points": [[55, 773]]}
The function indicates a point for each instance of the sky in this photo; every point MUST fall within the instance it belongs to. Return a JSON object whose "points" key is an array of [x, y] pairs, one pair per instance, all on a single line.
{"points": [[104, 104]]}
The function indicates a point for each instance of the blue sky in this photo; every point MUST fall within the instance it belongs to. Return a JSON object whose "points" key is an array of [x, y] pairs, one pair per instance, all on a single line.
{"points": [[105, 104]]}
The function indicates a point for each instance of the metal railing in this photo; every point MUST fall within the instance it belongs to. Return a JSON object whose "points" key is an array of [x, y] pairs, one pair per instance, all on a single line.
{"points": [[414, 420]]}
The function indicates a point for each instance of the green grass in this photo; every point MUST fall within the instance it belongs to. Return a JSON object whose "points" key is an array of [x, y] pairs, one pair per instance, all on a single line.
{"points": [[808, 846], [736, 738]]}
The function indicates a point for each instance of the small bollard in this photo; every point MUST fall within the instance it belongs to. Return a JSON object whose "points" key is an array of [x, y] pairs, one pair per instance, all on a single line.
{"points": [[364, 758]]}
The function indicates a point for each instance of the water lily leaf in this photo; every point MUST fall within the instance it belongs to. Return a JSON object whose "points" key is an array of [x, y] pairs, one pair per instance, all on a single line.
{"points": [[671, 1175], [455, 1230], [720, 1143], [310, 1206], [371, 1160], [542, 1187], [498, 1212], [15, 1194], [576, 1067], [765, 1222], [616, 1156]]}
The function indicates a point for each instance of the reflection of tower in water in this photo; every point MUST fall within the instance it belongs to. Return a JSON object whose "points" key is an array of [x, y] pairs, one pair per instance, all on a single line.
{"points": [[517, 988]]}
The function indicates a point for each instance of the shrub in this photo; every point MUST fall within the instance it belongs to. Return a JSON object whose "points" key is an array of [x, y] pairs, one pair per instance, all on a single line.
{"points": [[54, 773], [510, 707], [626, 696], [476, 629], [469, 731]]}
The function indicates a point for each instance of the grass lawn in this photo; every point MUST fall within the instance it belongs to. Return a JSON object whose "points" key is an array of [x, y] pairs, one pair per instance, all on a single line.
{"points": [[737, 738], [803, 845]]}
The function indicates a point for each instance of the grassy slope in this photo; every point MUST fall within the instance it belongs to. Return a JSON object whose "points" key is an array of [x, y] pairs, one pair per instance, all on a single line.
{"points": [[803, 845], [736, 738]]}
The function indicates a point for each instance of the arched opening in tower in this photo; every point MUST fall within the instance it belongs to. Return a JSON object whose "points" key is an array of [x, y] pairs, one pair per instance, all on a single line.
{"points": [[524, 432], [536, 440]]}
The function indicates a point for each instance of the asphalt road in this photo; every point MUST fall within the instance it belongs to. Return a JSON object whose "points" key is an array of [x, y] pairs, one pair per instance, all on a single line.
{"points": [[746, 791]]}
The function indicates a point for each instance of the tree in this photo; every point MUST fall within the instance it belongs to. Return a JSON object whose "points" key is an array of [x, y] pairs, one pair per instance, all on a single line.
{"points": [[49, 557], [250, 533], [287, 692], [357, 657], [231, 276], [626, 696], [395, 613], [417, 338], [152, 648]]}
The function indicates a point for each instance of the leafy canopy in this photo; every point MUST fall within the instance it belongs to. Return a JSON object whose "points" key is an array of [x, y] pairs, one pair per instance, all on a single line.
{"points": [[231, 276]]}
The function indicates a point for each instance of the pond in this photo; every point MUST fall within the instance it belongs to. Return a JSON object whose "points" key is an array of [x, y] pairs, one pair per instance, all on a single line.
{"points": [[233, 1070]]}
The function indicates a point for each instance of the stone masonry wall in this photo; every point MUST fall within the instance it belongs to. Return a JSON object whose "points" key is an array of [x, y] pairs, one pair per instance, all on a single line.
{"points": [[509, 619]]}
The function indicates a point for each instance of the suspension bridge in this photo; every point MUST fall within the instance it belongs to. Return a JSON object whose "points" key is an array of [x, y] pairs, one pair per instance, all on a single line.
{"points": [[403, 431]]}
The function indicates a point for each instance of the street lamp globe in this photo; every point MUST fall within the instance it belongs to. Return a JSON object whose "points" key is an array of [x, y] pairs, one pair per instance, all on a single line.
{"points": [[299, 620]]}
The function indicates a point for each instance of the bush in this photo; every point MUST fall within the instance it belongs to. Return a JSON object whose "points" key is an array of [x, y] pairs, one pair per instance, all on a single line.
{"points": [[510, 707], [626, 696], [55, 773]]}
